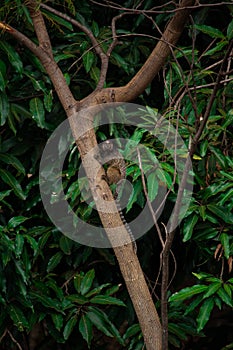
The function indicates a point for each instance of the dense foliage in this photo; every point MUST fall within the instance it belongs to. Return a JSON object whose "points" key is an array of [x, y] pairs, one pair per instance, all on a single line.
{"points": [[56, 293]]}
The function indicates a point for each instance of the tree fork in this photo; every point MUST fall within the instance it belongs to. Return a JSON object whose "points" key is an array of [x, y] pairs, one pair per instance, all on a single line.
{"points": [[127, 259]]}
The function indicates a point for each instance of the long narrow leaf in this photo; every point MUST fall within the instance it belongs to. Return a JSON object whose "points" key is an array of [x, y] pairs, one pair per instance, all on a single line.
{"points": [[188, 292], [204, 313], [13, 183], [85, 328]]}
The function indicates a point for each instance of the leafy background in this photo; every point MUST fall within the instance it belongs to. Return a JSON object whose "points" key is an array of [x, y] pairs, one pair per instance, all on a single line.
{"points": [[55, 293]]}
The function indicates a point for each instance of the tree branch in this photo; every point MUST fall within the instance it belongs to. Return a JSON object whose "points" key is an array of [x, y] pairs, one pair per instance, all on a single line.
{"points": [[150, 68], [40, 29], [50, 66]]}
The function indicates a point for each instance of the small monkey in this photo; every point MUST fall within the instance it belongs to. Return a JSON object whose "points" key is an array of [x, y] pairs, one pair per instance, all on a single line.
{"points": [[115, 174]]}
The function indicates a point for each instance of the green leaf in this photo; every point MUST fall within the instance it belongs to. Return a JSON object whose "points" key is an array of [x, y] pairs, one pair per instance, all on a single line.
{"points": [[230, 281], [153, 186], [97, 290], [87, 282], [70, 326], [218, 302], [13, 56], [67, 78], [54, 261], [43, 239], [221, 212], [21, 271], [63, 56], [46, 301], [16, 221], [220, 157], [120, 61], [164, 178], [228, 289], [112, 290], [19, 242], [77, 298], [85, 328], [99, 320], [212, 289], [33, 243], [4, 194], [38, 85], [203, 148], [215, 188], [13, 183], [4, 108], [193, 305], [12, 160], [77, 282], [48, 101], [58, 19], [224, 296], [212, 32], [11, 123], [95, 28], [230, 30], [204, 313], [18, 317], [106, 300], [88, 60], [228, 195], [20, 112], [38, 112], [132, 331], [225, 240], [136, 137], [95, 74], [202, 211], [53, 285], [57, 320], [22, 289], [188, 292], [217, 48], [228, 347], [3, 81], [53, 331], [66, 244], [189, 224], [177, 330], [102, 322]]}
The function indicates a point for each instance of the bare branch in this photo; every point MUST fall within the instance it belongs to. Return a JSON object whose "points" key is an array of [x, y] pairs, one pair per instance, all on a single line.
{"points": [[39, 26], [14, 340]]}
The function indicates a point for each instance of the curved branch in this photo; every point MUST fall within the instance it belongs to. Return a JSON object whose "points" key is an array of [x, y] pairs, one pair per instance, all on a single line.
{"points": [[152, 65], [50, 66]]}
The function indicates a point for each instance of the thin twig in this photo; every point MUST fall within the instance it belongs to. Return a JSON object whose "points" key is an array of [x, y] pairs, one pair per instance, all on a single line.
{"points": [[14, 340], [153, 10]]}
